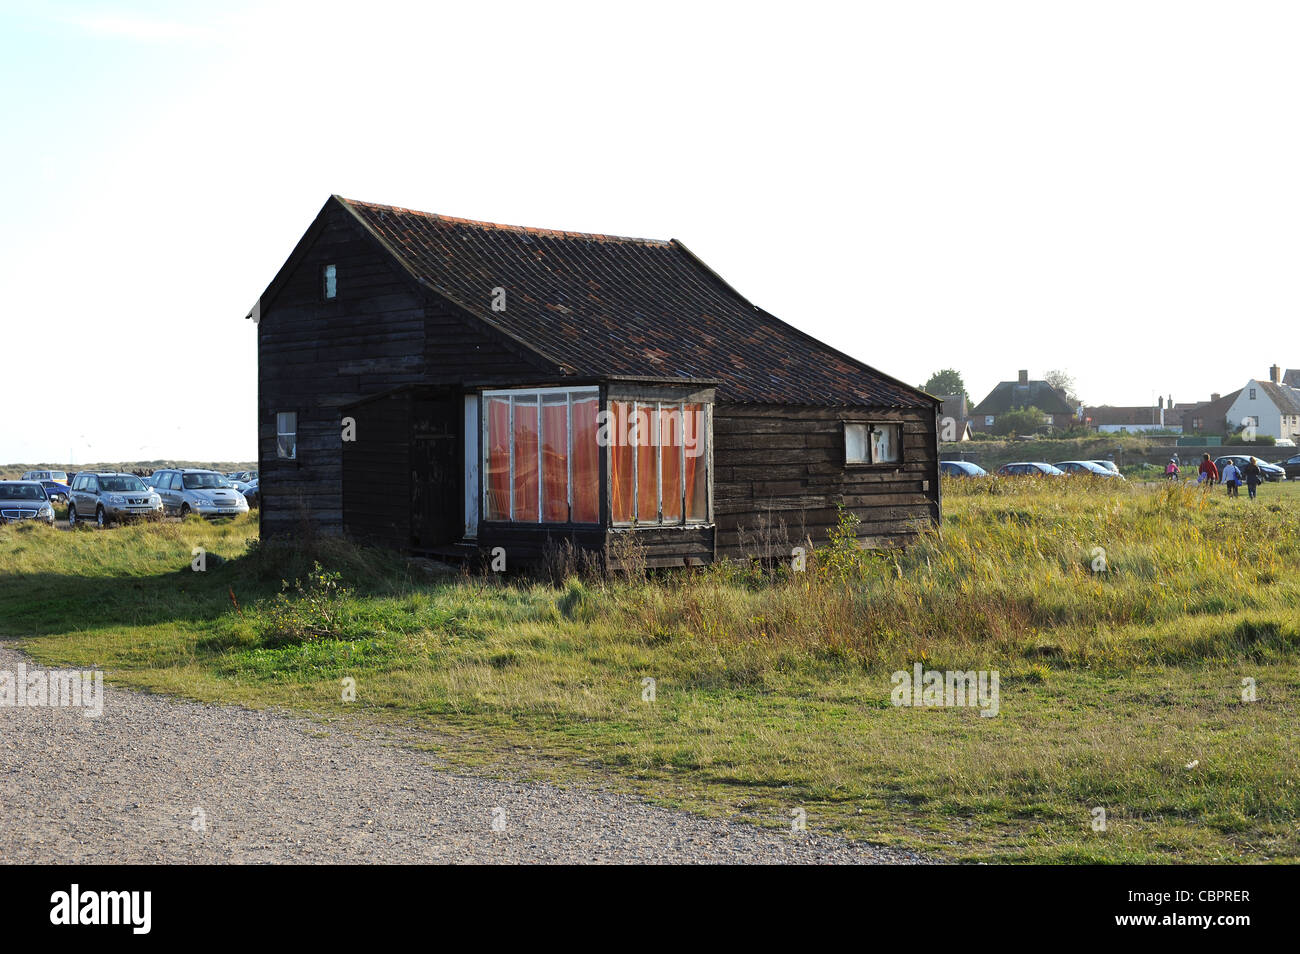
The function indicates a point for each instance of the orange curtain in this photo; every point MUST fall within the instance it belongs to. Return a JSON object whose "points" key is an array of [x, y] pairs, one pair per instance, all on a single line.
{"points": [[647, 464], [498, 460], [526, 473], [670, 461], [696, 478], [620, 456], [586, 462], [555, 458]]}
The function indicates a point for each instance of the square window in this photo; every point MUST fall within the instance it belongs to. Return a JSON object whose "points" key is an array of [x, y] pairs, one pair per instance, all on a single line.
{"points": [[330, 282], [286, 435], [872, 443]]}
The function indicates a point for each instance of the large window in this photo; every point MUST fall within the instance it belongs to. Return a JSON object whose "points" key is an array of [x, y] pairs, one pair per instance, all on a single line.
{"points": [[541, 463], [658, 462]]}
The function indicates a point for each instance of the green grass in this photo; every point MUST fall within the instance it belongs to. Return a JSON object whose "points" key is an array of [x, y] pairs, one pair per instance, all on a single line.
{"points": [[772, 689]]}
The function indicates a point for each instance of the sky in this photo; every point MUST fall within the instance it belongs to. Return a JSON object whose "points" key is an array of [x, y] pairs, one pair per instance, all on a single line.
{"points": [[1106, 188]]}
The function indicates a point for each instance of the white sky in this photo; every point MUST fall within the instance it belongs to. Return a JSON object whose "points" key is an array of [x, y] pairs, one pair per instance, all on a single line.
{"points": [[1108, 188]]}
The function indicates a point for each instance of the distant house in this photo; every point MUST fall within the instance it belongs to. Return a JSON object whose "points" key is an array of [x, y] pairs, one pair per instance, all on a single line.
{"points": [[447, 386], [1272, 407], [1108, 419], [954, 419], [1023, 393], [1209, 418]]}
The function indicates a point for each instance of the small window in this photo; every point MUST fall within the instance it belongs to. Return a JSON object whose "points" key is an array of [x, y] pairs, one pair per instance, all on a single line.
{"points": [[330, 282], [873, 443], [1252, 394], [286, 435], [988, 420]]}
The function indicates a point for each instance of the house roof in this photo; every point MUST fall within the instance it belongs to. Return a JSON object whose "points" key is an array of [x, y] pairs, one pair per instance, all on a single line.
{"points": [[1125, 416], [1012, 394], [954, 405], [1285, 399], [604, 305], [1213, 414], [1292, 377]]}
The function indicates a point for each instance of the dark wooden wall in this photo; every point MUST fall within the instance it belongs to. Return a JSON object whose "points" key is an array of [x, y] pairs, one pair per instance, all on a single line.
{"points": [[377, 472], [779, 473]]}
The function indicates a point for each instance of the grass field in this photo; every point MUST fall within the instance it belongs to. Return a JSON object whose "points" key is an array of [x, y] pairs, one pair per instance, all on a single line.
{"points": [[1122, 620]]}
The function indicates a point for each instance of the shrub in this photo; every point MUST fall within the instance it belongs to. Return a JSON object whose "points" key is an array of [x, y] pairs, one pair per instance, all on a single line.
{"points": [[311, 610]]}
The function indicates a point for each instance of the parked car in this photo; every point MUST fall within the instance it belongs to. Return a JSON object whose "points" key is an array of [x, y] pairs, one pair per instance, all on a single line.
{"points": [[1080, 468], [106, 497], [1110, 465], [55, 482], [25, 500], [961, 468], [205, 492], [1270, 472], [243, 476], [1292, 467], [251, 493], [1029, 469]]}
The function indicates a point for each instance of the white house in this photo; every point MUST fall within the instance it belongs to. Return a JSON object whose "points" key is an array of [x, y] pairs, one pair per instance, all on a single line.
{"points": [[1273, 407]]}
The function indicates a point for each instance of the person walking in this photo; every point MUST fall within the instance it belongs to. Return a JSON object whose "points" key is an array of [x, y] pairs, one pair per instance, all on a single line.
{"points": [[1254, 476], [1208, 473], [1231, 478]]}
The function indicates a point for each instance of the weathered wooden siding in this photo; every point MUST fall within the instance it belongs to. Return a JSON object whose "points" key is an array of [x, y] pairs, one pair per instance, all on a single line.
{"points": [[779, 473], [377, 472]]}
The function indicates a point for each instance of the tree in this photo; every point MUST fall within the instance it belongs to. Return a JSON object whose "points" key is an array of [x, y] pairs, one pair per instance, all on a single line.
{"points": [[945, 382], [1020, 420], [1063, 381]]}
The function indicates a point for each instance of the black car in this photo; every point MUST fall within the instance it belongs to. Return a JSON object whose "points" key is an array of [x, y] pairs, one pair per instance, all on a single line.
{"points": [[1292, 467]]}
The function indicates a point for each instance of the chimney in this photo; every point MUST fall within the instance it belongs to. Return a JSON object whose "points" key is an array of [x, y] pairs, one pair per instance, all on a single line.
{"points": [[1275, 374], [1024, 377], [1215, 397], [1161, 403]]}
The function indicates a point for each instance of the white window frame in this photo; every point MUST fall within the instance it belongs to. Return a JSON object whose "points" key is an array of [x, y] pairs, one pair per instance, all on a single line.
{"points": [[539, 394], [280, 432], [656, 441]]}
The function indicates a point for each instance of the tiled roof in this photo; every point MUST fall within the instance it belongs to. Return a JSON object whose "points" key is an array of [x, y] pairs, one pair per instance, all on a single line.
{"points": [[1212, 414], [1292, 377], [602, 305], [1125, 416], [954, 406], [1012, 394], [1285, 399]]}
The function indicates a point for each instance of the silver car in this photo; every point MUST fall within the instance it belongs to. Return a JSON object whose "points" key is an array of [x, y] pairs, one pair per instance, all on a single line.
{"points": [[24, 500], [205, 492], [105, 497]]}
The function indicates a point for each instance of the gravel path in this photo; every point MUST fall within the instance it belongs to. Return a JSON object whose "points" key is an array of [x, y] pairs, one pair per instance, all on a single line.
{"points": [[134, 784]]}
